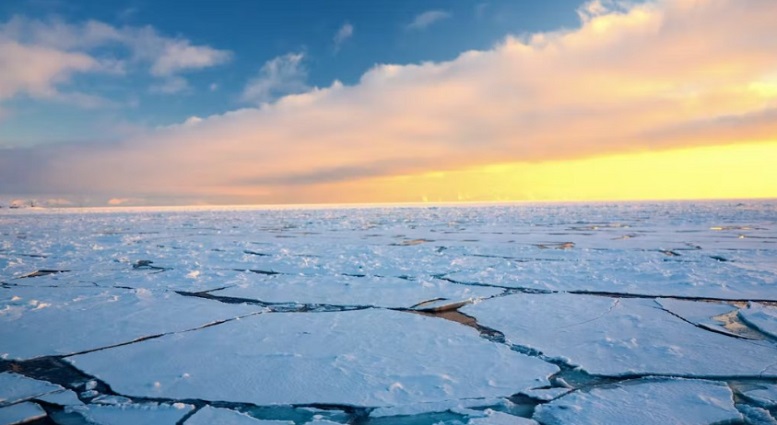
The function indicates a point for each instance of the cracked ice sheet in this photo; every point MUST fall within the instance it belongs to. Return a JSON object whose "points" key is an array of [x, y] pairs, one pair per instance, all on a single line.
{"points": [[214, 415], [645, 402], [38, 322], [699, 312], [132, 414], [761, 317], [15, 388], [347, 290], [360, 358], [764, 395], [618, 337]]}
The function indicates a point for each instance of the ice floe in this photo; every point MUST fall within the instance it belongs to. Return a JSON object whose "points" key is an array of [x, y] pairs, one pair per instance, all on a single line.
{"points": [[360, 358], [38, 322], [15, 388], [644, 402], [21, 413], [621, 337]]}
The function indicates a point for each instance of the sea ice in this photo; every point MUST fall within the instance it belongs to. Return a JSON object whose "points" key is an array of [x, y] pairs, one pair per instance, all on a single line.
{"points": [[21, 413], [15, 388], [38, 322], [617, 337], [764, 395], [644, 402], [761, 317], [360, 358], [213, 415]]}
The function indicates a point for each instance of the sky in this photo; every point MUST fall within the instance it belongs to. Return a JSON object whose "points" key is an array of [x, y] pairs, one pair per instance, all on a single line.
{"points": [[140, 102]]}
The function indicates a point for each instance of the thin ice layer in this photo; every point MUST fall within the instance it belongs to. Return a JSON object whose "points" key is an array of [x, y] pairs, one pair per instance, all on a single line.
{"points": [[361, 358], [38, 322], [349, 290], [214, 415], [15, 388], [21, 413], [761, 317], [494, 417], [644, 402], [617, 337], [132, 414]]}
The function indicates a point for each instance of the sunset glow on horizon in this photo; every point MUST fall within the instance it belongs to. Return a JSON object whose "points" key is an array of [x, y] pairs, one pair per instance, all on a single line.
{"points": [[610, 100]]}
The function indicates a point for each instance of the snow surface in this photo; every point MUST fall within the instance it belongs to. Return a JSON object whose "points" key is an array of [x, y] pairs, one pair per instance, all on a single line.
{"points": [[332, 358], [761, 317], [620, 337], [20, 413], [213, 415], [499, 418], [38, 322], [644, 402]]}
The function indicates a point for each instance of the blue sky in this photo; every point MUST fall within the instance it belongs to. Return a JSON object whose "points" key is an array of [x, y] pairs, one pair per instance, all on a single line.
{"points": [[253, 32]]}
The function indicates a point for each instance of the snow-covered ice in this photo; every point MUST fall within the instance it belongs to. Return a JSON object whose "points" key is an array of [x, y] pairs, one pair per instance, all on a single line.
{"points": [[644, 402], [330, 358], [313, 315]]}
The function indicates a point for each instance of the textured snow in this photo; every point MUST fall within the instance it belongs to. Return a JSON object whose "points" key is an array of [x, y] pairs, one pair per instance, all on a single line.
{"points": [[352, 291], [618, 337], [20, 413], [644, 402], [213, 415], [363, 358], [38, 322], [133, 414], [15, 388], [761, 317]]}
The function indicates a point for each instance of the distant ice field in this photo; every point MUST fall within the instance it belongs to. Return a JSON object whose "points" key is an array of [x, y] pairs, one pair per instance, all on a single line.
{"points": [[391, 314]]}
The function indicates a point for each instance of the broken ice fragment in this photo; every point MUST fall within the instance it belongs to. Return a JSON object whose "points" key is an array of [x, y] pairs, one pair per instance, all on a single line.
{"points": [[494, 417], [213, 415], [764, 395], [15, 388], [761, 317], [21, 413], [699, 312], [644, 402], [131, 414]]}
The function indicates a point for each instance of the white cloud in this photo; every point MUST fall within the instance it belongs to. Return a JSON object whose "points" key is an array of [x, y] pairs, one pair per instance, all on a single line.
{"points": [[344, 33], [424, 20], [279, 76], [38, 57], [657, 75]]}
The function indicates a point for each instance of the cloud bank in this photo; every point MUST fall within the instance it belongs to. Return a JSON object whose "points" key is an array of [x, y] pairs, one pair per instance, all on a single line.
{"points": [[632, 77]]}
